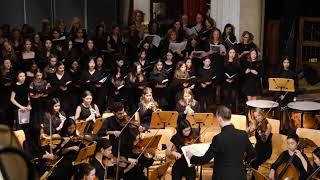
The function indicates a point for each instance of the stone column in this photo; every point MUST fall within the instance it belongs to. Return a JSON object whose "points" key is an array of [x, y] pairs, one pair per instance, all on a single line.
{"points": [[243, 14], [144, 6]]}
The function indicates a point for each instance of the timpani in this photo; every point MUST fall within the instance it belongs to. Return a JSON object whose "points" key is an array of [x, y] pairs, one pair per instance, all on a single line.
{"points": [[303, 114], [266, 105]]}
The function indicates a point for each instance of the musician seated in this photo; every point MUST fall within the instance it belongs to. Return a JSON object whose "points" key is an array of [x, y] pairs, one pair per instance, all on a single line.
{"points": [[69, 150], [299, 160], [147, 106], [261, 129], [101, 161], [316, 162], [187, 105], [183, 136], [86, 110], [137, 157], [37, 154], [55, 116], [85, 171]]}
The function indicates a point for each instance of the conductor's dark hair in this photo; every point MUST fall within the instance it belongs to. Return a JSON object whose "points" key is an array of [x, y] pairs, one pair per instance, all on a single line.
{"points": [[293, 136], [224, 113], [117, 106]]}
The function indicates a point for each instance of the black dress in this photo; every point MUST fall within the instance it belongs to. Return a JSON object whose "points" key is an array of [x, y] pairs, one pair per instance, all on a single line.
{"points": [[285, 156], [180, 167], [288, 74], [252, 82], [39, 105], [160, 89], [59, 92], [230, 90], [6, 115], [205, 94], [22, 94], [263, 150]]}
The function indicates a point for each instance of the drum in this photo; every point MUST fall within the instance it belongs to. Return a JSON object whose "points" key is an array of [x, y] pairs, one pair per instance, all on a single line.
{"points": [[267, 106], [303, 114]]}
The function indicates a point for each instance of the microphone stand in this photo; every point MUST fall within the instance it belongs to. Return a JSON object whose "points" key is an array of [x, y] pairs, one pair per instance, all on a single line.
{"points": [[119, 142]]}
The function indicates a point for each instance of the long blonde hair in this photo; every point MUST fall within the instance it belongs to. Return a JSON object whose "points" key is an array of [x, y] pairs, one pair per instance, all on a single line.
{"points": [[145, 91], [183, 102]]}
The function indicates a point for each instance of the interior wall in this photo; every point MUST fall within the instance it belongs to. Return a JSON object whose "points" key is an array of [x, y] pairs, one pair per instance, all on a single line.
{"points": [[12, 12]]}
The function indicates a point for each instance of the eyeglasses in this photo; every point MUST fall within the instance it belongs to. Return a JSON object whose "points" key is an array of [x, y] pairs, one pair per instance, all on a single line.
{"points": [[247, 37]]}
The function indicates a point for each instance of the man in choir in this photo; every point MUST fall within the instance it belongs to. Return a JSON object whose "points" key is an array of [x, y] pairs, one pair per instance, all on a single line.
{"points": [[228, 161]]}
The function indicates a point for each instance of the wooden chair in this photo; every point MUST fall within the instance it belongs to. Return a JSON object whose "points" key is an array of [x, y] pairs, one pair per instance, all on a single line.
{"points": [[275, 125], [239, 121], [257, 175], [311, 134], [279, 144], [21, 136]]}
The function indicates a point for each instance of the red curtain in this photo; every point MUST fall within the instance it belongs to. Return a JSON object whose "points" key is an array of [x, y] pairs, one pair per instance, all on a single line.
{"points": [[192, 7]]}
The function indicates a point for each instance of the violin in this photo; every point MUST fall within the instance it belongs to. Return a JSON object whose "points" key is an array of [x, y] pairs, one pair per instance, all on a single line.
{"points": [[191, 139], [261, 127], [56, 140], [147, 152]]}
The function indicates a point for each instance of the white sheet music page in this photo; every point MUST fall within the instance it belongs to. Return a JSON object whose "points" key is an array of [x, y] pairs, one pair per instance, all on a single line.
{"points": [[195, 149]]}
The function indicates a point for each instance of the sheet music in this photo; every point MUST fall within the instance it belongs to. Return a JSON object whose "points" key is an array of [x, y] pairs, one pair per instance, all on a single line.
{"points": [[155, 39], [196, 150], [215, 48], [68, 82], [23, 117], [164, 81], [230, 77], [178, 47], [103, 80], [198, 54]]}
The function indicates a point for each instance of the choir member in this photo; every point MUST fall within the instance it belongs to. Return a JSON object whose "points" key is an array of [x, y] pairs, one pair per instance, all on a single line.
{"points": [[252, 70], [230, 84]]}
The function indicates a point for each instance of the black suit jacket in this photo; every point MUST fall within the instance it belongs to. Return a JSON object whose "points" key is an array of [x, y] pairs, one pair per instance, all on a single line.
{"points": [[228, 150]]}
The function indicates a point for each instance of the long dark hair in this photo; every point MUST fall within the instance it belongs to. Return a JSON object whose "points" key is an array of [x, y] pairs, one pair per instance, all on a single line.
{"points": [[64, 130], [183, 123], [51, 103], [102, 144], [232, 36]]}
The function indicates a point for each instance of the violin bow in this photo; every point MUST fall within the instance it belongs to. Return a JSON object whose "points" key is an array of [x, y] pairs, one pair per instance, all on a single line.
{"points": [[148, 144], [119, 142]]}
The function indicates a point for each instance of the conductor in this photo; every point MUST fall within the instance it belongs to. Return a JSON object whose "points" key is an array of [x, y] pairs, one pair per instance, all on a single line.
{"points": [[229, 149]]}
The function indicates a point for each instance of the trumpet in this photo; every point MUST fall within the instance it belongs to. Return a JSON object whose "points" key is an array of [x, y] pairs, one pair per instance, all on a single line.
{"points": [[153, 107]]}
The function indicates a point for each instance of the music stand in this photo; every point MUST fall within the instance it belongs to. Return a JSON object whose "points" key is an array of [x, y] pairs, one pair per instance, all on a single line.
{"points": [[281, 85], [160, 171], [97, 125], [81, 126], [84, 154], [153, 144], [163, 119], [199, 120]]}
